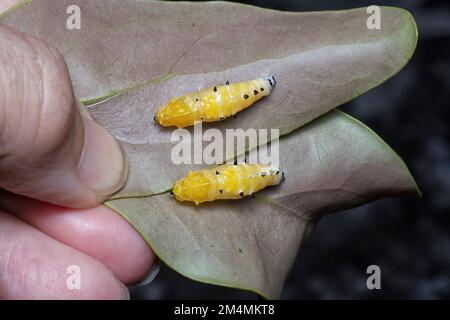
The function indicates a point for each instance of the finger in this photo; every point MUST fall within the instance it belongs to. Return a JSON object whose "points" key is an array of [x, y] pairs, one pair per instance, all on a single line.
{"points": [[98, 232], [34, 266], [48, 150]]}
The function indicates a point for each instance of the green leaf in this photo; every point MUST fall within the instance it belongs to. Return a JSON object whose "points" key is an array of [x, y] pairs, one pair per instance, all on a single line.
{"points": [[130, 57], [333, 163]]}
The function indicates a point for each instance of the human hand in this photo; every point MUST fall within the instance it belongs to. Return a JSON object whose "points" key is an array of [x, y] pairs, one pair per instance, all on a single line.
{"points": [[53, 158]]}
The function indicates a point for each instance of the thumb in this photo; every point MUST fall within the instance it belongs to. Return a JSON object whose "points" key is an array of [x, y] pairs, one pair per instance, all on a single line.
{"points": [[48, 150]]}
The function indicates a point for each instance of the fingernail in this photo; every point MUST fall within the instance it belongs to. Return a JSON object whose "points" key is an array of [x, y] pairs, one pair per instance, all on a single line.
{"points": [[103, 167], [124, 292], [151, 275]]}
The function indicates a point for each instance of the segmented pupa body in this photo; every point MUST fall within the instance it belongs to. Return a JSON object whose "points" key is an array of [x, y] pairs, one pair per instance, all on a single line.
{"points": [[215, 103], [227, 181]]}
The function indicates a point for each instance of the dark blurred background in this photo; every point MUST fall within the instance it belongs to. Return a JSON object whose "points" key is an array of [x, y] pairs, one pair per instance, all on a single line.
{"points": [[408, 238]]}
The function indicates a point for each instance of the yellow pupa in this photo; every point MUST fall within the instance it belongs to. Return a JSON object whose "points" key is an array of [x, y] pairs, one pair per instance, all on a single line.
{"points": [[228, 181], [213, 104]]}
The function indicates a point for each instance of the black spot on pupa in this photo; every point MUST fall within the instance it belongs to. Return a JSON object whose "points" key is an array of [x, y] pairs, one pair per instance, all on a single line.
{"points": [[221, 118], [252, 195], [227, 83], [261, 89], [217, 173], [201, 118], [255, 92], [245, 96], [277, 173], [241, 194], [270, 82], [215, 89], [196, 99], [171, 192], [220, 191], [263, 174]]}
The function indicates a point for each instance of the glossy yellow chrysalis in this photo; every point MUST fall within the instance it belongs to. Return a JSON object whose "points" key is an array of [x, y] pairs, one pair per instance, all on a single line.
{"points": [[213, 104], [227, 181]]}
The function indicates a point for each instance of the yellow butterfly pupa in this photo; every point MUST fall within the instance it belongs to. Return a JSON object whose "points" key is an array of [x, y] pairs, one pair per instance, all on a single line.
{"points": [[228, 181], [213, 104]]}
